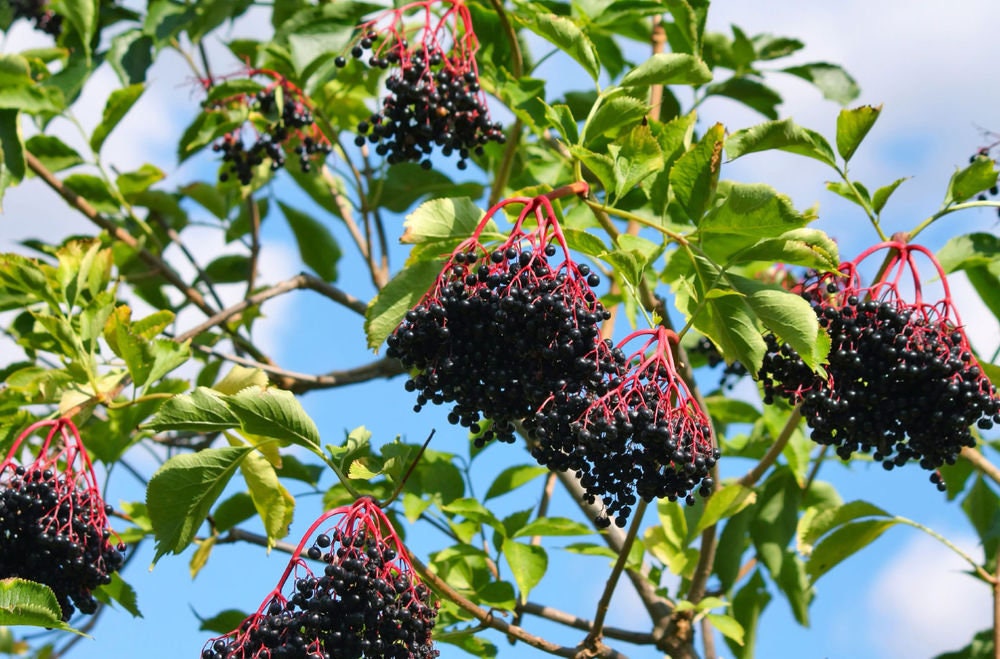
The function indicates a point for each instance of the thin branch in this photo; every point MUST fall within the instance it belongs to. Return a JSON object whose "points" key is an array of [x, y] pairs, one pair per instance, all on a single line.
{"points": [[514, 135], [752, 476], [301, 382], [616, 572], [488, 619], [299, 281], [980, 462], [708, 638], [253, 211], [576, 622], [543, 504], [176, 239]]}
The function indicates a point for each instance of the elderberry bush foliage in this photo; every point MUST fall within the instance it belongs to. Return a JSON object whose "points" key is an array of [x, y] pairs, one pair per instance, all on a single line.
{"points": [[499, 332], [365, 604], [292, 128], [731, 373], [638, 435], [902, 383], [38, 12], [434, 98]]}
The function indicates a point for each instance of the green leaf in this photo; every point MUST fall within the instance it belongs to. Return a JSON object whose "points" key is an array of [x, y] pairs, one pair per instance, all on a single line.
{"points": [[11, 151], [407, 182], [121, 592], [810, 248], [817, 522], [527, 564], [81, 15], [119, 103], [835, 83], [987, 285], [636, 157], [600, 165], [882, 195], [130, 55], [981, 647], [55, 154], [401, 294], [725, 502], [275, 413], [200, 555], [232, 511], [317, 246], [843, 542], [561, 118], [512, 478], [132, 184], [777, 513], [552, 526], [748, 603], [612, 115], [668, 69], [695, 175], [273, 502], [566, 35], [752, 209], [749, 92], [222, 622], [971, 250], [727, 626], [852, 126], [788, 315], [182, 491], [203, 410], [94, 190], [24, 602], [445, 221], [979, 176], [982, 506], [784, 135]]}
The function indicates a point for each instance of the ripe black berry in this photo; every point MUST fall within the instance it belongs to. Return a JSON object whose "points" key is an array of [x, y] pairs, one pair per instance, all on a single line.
{"points": [[45, 19]]}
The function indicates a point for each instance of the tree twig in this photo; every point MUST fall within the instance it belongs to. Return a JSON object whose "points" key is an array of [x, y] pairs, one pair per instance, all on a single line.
{"points": [[576, 622], [980, 462], [752, 476]]}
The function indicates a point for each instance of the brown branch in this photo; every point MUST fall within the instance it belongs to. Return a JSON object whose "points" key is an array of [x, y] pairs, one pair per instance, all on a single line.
{"points": [[514, 135], [752, 476], [301, 382], [980, 462], [708, 638], [488, 619], [254, 212], [299, 281], [576, 622]]}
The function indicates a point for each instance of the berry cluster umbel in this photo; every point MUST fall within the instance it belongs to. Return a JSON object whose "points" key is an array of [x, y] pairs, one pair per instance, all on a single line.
{"points": [[503, 328], [366, 604], [38, 11], [281, 120], [902, 382], [434, 99], [53, 522], [640, 433]]}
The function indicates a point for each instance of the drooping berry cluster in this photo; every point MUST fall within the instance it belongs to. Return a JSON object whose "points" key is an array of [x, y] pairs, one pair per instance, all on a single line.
{"points": [[434, 99], [902, 382], [367, 603], [53, 522], [280, 119], [38, 11], [503, 328], [638, 434]]}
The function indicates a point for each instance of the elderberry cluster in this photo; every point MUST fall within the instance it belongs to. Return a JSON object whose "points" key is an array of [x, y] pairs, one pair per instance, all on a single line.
{"points": [[499, 333], [45, 19], [293, 118], [637, 435], [363, 606], [899, 384], [434, 101], [50, 534]]}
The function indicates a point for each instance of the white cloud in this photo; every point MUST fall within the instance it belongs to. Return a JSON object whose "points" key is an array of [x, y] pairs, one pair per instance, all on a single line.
{"points": [[923, 604]]}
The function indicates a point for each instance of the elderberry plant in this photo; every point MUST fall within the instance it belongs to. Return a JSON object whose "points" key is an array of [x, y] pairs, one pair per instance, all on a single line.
{"points": [[367, 602], [53, 521], [902, 382], [434, 97]]}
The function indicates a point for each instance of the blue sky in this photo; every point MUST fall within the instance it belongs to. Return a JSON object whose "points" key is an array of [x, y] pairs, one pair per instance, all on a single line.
{"points": [[931, 67]]}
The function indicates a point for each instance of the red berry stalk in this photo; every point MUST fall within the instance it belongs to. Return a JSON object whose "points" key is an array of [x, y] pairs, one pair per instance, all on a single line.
{"points": [[53, 521], [435, 99], [284, 123], [503, 327], [366, 602], [641, 434], [902, 383]]}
